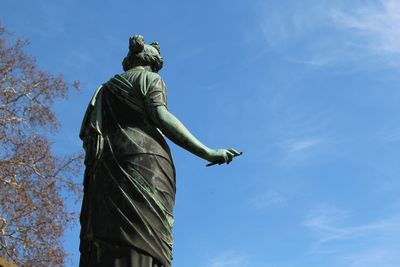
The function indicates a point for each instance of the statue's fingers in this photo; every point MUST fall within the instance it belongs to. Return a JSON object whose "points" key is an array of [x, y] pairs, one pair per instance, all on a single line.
{"points": [[230, 154], [227, 157], [235, 152]]}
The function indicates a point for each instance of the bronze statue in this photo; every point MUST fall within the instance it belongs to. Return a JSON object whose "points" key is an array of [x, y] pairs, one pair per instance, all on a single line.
{"points": [[129, 183]]}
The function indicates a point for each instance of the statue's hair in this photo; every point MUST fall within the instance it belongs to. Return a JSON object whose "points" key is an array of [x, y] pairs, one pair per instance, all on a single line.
{"points": [[141, 54]]}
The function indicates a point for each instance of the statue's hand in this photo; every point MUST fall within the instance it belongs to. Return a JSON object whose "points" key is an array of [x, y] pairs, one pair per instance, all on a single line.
{"points": [[220, 156]]}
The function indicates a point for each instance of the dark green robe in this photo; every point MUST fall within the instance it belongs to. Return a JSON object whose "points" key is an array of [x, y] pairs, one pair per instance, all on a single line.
{"points": [[129, 183]]}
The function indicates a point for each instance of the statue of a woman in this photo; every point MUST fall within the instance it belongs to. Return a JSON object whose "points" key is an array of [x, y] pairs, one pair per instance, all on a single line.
{"points": [[129, 184]]}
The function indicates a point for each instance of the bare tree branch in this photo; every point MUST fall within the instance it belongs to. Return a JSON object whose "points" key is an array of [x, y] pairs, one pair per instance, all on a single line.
{"points": [[33, 180]]}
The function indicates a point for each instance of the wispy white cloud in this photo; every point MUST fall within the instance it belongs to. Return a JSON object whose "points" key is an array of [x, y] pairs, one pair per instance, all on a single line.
{"points": [[270, 199], [387, 257], [301, 136], [302, 145], [299, 131], [368, 244], [328, 33], [389, 135], [301, 149], [228, 259], [379, 23], [327, 222]]}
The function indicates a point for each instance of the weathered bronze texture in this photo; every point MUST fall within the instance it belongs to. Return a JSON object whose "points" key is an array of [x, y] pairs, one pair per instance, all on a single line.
{"points": [[129, 182]]}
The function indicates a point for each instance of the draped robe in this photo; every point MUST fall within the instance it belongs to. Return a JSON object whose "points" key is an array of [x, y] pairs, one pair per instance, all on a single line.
{"points": [[129, 181]]}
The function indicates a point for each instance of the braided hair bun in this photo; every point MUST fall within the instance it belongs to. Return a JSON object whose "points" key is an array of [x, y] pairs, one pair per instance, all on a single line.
{"points": [[141, 54]]}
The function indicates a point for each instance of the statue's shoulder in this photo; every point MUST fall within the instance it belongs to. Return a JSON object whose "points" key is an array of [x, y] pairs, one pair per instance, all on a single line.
{"points": [[152, 75], [136, 72]]}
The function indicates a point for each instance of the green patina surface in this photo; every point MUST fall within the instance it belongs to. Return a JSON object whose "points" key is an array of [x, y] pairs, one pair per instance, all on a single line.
{"points": [[129, 184]]}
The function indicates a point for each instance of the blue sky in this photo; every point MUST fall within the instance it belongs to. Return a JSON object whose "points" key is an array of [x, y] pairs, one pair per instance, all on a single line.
{"points": [[308, 90]]}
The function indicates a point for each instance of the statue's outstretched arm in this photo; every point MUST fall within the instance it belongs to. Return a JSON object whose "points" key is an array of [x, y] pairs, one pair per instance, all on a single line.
{"points": [[180, 135]]}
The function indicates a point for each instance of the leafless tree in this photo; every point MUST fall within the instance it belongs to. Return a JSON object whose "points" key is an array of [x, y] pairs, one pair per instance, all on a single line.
{"points": [[34, 182]]}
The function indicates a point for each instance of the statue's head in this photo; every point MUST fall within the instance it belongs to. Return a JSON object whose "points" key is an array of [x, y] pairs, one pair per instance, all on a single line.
{"points": [[141, 54]]}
